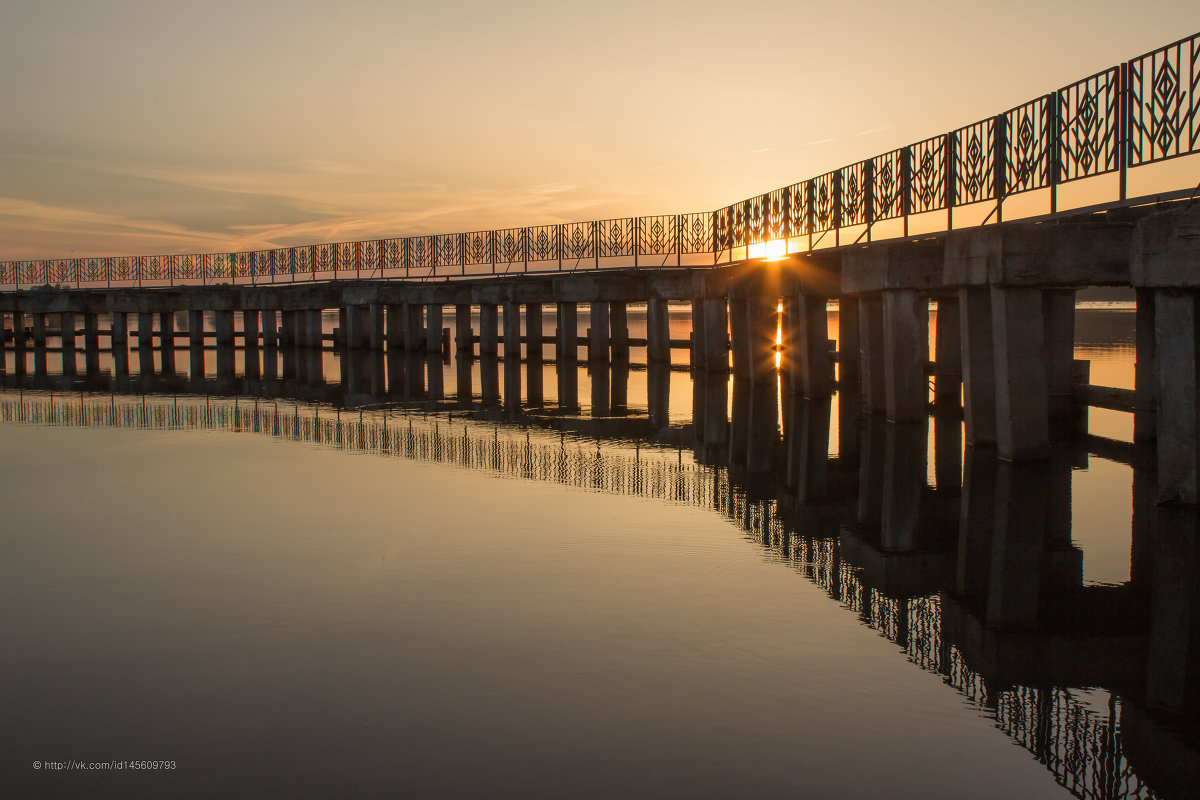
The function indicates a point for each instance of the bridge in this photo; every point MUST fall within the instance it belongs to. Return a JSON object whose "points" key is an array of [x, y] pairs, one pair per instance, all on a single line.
{"points": [[1004, 290]]}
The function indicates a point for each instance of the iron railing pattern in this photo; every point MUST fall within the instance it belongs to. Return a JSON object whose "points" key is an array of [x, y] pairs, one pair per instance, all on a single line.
{"points": [[1143, 111], [1081, 747]]}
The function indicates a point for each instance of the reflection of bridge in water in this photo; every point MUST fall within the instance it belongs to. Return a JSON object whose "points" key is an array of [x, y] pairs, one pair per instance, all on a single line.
{"points": [[974, 579]]}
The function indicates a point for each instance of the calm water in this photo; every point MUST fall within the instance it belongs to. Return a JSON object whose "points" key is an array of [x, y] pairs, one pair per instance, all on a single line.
{"points": [[355, 577]]}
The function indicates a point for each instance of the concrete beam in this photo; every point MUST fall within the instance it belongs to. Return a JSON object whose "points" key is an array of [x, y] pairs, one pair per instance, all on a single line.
{"points": [[1040, 254], [904, 265]]}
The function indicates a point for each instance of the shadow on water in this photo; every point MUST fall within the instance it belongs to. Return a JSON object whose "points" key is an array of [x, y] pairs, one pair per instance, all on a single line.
{"points": [[965, 562]]}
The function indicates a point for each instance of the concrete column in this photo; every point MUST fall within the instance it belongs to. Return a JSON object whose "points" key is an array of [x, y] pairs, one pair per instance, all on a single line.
{"points": [[739, 338], [1022, 426], [848, 371], [299, 329], [1058, 334], [567, 335], [512, 382], [512, 331], [464, 384], [145, 332], [433, 328], [620, 387], [270, 327], [414, 322], [395, 326], [658, 332], [658, 394], [436, 376], [287, 328], [314, 335], [763, 318], [91, 342], [375, 323], [119, 337], [905, 348], [716, 335], [352, 333], [489, 320], [224, 324], [489, 371], [762, 435], [598, 343], [618, 325], [812, 369], [533, 331], [166, 341], [871, 355], [1145, 393], [978, 365], [67, 324], [715, 426], [976, 522], [871, 465], [250, 328], [947, 382], [698, 340], [39, 331], [568, 384], [1177, 340], [807, 470], [462, 330]]}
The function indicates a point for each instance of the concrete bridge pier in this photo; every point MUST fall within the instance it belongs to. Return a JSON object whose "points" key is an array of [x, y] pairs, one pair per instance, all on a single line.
{"points": [[375, 329], [1145, 400], [715, 428], [269, 320], [1177, 340], [1058, 334], [658, 393], [848, 372], [91, 342], [196, 343], [1022, 389], [358, 327], [533, 354], [414, 323], [568, 383], [658, 332], [433, 329], [67, 324], [512, 382], [618, 325], [166, 342], [512, 331], [145, 342], [762, 440], [225, 344], [464, 382], [871, 353], [19, 343], [905, 348], [871, 466], [314, 333], [489, 378], [464, 341], [807, 470], [598, 333], [806, 333], [489, 320], [904, 470], [716, 335], [119, 338], [567, 334], [739, 338], [394, 326], [435, 378], [698, 357], [250, 321], [601, 388], [978, 365]]}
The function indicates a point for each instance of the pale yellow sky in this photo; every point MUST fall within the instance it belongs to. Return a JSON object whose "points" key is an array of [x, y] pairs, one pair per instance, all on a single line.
{"points": [[156, 127]]}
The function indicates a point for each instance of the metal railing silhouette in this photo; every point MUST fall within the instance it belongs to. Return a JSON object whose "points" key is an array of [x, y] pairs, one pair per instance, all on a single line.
{"points": [[1079, 746], [1139, 112]]}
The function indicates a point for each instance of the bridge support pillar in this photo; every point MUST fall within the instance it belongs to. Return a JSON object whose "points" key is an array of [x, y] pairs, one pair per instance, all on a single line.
{"points": [[698, 354], [978, 365], [196, 344], [763, 318], [91, 342], [67, 324], [375, 330], [1177, 337], [433, 329], [905, 348], [1058, 315], [166, 341], [658, 332], [489, 320], [567, 335], [250, 318], [1022, 417], [598, 335], [314, 336], [871, 355], [739, 338], [533, 354], [224, 324], [905, 465], [414, 324], [145, 334], [807, 330], [39, 331], [947, 344], [618, 325], [716, 335], [463, 335], [807, 470], [394, 327], [512, 331], [848, 371], [269, 320], [1145, 399]]}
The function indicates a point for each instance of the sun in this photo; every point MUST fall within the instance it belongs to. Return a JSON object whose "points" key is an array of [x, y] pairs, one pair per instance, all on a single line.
{"points": [[772, 250]]}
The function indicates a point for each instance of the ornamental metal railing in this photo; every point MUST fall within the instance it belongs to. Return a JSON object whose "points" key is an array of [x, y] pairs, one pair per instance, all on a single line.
{"points": [[1143, 111]]}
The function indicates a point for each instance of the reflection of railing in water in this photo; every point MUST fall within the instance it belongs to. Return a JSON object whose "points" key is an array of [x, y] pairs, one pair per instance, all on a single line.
{"points": [[1080, 747]]}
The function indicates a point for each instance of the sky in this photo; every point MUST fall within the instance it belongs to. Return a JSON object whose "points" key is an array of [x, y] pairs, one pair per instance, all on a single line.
{"points": [[130, 127]]}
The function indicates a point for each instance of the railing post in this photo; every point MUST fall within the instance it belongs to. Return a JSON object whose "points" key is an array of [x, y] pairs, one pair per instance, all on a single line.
{"points": [[637, 239], [837, 208], [679, 240], [1000, 162], [715, 240], [810, 196], [906, 186], [787, 217], [950, 154], [1124, 124], [558, 232], [1052, 149], [869, 195]]}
